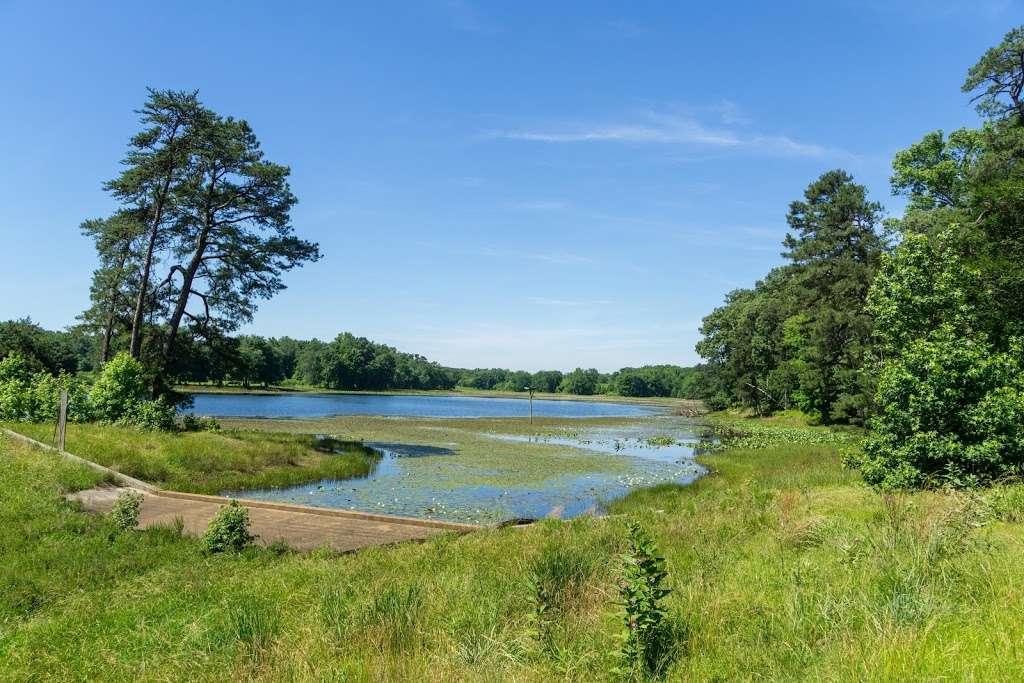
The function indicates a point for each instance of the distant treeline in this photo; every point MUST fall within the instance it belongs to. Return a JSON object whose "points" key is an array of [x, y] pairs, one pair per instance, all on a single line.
{"points": [[650, 380], [347, 362]]}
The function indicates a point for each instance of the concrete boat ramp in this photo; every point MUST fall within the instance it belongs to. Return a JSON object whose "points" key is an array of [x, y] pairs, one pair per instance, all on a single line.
{"points": [[301, 527]]}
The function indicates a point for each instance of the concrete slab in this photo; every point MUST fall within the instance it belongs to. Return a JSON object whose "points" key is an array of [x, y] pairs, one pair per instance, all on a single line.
{"points": [[301, 528]]}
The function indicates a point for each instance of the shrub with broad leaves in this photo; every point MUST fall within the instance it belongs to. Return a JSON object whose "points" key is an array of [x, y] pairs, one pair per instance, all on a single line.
{"points": [[125, 513], [228, 530]]}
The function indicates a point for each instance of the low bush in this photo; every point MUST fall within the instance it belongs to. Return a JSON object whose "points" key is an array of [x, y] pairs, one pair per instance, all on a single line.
{"points": [[952, 414], [228, 530], [195, 423], [120, 396], [27, 396], [125, 513]]}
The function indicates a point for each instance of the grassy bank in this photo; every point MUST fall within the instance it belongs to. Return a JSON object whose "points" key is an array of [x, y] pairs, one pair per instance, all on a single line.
{"points": [[782, 566], [207, 462]]}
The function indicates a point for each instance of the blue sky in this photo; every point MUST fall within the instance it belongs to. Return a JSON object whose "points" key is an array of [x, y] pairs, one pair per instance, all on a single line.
{"points": [[516, 184]]}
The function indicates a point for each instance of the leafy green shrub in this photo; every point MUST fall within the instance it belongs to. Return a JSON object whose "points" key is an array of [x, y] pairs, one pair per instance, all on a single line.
{"points": [[952, 413], [120, 386], [27, 396], [647, 636], [156, 415], [125, 513], [228, 530], [120, 394], [195, 423]]}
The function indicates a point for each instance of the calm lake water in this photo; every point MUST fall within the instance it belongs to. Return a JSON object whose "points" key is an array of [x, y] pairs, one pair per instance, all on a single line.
{"points": [[427, 481], [326, 405]]}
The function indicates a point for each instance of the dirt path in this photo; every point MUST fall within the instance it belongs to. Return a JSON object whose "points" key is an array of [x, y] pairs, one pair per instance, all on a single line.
{"points": [[302, 528]]}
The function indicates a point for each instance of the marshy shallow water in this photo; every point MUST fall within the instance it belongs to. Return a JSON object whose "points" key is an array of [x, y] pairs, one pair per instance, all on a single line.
{"points": [[439, 482]]}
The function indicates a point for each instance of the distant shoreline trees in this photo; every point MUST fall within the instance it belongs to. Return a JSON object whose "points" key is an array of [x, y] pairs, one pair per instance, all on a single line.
{"points": [[347, 362]]}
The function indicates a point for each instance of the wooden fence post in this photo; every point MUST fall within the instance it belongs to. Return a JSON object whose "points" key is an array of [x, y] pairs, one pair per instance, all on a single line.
{"points": [[62, 420]]}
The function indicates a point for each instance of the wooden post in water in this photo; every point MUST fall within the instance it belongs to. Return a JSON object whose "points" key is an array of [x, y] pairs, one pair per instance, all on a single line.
{"points": [[62, 420], [530, 389]]}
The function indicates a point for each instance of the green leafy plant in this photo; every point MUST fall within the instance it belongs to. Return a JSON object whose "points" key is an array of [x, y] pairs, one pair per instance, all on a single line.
{"points": [[125, 512], [120, 386], [647, 633], [157, 415], [952, 413], [27, 396], [120, 394], [228, 530], [191, 422]]}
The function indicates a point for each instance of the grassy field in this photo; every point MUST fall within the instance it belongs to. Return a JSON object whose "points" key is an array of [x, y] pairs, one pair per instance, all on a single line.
{"points": [[783, 567], [207, 462]]}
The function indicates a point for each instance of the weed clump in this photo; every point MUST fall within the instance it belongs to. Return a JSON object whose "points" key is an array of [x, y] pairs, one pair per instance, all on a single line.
{"points": [[228, 530], [254, 625], [648, 634], [125, 513]]}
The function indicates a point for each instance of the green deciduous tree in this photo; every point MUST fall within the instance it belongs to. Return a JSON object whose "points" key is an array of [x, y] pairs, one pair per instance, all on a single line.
{"points": [[581, 382], [949, 302]]}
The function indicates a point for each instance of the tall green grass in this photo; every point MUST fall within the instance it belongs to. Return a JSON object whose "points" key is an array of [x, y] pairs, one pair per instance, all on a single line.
{"points": [[208, 462], [782, 567]]}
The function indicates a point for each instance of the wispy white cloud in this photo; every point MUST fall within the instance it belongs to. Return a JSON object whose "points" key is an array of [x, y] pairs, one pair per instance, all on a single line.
{"points": [[560, 259], [676, 131], [653, 127]]}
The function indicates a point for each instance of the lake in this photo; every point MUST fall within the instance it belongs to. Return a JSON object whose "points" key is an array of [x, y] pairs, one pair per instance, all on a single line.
{"points": [[327, 405], [447, 481]]}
